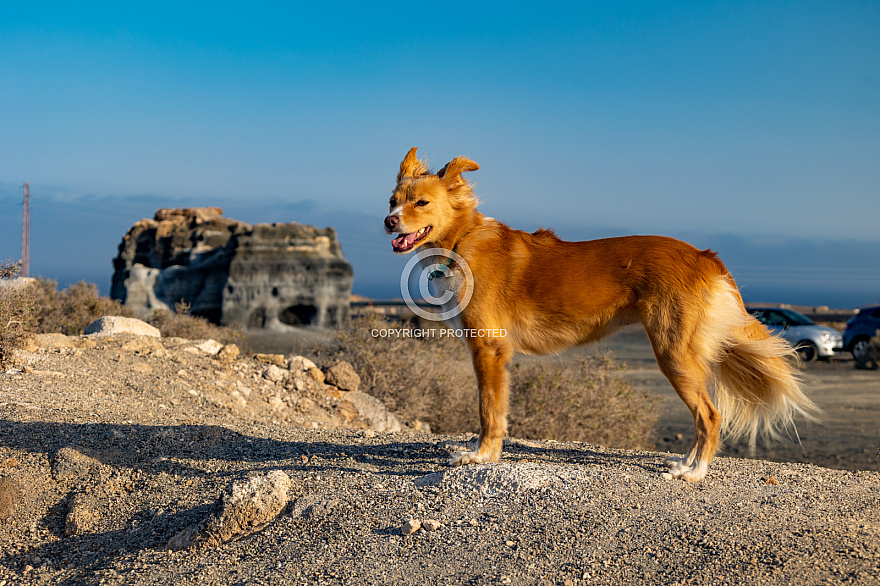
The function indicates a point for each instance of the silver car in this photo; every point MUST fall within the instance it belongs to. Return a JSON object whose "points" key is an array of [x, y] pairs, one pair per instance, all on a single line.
{"points": [[811, 341]]}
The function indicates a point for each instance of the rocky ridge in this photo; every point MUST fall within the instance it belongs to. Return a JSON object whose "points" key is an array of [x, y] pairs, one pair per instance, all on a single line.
{"points": [[261, 276]]}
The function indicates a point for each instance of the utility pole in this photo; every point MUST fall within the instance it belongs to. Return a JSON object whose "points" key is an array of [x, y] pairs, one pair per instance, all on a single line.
{"points": [[26, 233]]}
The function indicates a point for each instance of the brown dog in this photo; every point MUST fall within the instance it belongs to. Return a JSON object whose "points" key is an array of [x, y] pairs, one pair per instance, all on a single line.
{"points": [[548, 295]]}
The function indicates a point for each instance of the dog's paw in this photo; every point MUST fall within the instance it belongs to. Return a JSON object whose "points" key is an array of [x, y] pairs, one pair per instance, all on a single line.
{"points": [[464, 458], [679, 468]]}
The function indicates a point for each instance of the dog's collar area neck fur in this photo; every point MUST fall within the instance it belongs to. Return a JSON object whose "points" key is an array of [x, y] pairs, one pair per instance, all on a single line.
{"points": [[446, 264]]}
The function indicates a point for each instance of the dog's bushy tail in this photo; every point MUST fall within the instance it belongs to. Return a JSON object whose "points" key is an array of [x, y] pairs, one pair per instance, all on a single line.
{"points": [[757, 390]]}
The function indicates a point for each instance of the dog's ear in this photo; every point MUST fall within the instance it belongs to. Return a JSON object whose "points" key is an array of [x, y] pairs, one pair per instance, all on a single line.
{"points": [[412, 166], [451, 173]]}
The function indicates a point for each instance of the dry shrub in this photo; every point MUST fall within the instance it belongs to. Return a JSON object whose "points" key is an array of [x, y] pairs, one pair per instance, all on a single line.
{"points": [[181, 324], [581, 399], [17, 312], [70, 310], [431, 379], [418, 378]]}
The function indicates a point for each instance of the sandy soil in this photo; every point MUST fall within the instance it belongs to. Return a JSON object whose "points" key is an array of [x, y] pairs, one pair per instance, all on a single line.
{"points": [[110, 448]]}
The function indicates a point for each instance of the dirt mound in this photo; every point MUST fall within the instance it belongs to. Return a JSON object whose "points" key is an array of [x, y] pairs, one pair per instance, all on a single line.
{"points": [[110, 447]]}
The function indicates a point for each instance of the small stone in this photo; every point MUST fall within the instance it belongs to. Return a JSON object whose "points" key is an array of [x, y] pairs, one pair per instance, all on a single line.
{"points": [[276, 359], [772, 480], [431, 524], [316, 374], [299, 363], [274, 373], [342, 375], [666, 476], [509, 543], [228, 353], [276, 402], [410, 527], [210, 347], [245, 506]]}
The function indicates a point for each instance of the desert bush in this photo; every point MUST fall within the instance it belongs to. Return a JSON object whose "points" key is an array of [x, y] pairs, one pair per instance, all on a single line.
{"points": [[17, 312], [181, 324], [581, 399], [70, 310], [417, 378], [431, 379]]}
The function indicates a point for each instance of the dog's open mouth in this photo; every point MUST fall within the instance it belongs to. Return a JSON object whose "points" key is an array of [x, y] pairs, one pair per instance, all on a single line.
{"points": [[405, 242]]}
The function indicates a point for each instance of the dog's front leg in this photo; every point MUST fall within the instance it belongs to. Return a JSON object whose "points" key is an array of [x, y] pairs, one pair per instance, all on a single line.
{"points": [[490, 357]]}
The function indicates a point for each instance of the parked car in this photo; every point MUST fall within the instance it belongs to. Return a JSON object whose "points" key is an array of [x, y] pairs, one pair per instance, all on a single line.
{"points": [[811, 341], [859, 330]]}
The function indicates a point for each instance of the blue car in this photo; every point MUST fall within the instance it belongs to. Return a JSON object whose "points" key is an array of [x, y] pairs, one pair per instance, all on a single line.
{"points": [[859, 330], [811, 341]]}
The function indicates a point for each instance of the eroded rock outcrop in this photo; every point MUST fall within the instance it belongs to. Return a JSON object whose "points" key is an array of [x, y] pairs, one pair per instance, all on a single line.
{"points": [[263, 276]]}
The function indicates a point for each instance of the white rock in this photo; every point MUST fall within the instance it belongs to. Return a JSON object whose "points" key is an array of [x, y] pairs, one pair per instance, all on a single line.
{"points": [[244, 507], [301, 363], [373, 411], [274, 373], [112, 325], [210, 347], [411, 527]]}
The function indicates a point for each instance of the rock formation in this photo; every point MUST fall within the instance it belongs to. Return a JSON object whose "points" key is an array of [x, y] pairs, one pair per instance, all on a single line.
{"points": [[263, 276]]}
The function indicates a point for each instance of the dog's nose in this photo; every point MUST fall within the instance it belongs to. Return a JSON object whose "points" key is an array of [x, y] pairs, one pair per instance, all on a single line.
{"points": [[391, 223]]}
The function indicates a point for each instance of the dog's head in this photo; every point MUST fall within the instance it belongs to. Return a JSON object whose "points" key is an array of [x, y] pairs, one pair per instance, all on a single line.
{"points": [[428, 207]]}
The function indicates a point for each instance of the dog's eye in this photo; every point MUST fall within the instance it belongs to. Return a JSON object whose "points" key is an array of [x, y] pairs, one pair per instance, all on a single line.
{"points": [[421, 203]]}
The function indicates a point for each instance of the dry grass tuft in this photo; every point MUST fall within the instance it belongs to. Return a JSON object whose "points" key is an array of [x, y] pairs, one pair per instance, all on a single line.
{"points": [[181, 324], [581, 399], [17, 312], [70, 310], [425, 379], [431, 379]]}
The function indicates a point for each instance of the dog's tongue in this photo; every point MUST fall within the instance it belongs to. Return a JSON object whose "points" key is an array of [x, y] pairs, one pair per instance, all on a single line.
{"points": [[404, 241]]}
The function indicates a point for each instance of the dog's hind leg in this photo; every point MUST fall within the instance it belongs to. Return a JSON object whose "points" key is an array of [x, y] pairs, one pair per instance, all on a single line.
{"points": [[689, 381], [490, 357], [684, 354]]}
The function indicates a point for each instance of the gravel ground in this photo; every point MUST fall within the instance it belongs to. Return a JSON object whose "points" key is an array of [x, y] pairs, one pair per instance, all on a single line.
{"points": [[106, 452]]}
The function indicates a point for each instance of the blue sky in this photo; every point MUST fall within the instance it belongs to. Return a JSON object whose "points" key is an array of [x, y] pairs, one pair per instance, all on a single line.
{"points": [[748, 127]]}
